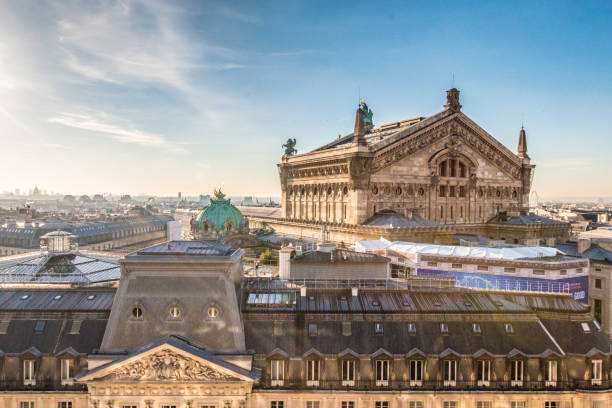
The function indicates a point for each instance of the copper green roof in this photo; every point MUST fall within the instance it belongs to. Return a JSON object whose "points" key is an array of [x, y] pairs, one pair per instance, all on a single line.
{"points": [[219, 212]]}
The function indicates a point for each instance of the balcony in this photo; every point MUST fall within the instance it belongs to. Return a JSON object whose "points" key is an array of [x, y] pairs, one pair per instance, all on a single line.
{"points": [[434, 385], [40, 385]]}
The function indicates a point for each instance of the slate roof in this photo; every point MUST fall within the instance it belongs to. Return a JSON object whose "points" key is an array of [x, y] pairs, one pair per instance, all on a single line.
{"points": [[87, 231], [66, 268], [384, 135], [56, 300], [414, 301], [210, 248], [530, 219], [396, 338], [598, 253], [54, 338], [391, 219], [572, 339]]}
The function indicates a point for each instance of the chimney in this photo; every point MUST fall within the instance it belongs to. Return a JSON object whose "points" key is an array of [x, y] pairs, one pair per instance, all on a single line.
{"points": [[452, 100], [284, 263], [522, 145], [583, 245]]}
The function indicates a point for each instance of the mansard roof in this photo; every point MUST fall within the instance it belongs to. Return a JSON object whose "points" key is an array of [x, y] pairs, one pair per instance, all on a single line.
{"points": [[398, 299], [398, 340]]}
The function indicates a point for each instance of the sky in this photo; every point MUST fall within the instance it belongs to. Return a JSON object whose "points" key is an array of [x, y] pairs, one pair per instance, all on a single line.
{"points": [[157, 97]]}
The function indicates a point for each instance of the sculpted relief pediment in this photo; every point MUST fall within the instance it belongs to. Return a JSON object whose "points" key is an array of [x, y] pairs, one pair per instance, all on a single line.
{"points": [[166, 365], [453, 132]]}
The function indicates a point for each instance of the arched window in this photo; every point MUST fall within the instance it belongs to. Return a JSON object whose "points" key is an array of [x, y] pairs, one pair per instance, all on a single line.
{"points": [[443, 169], [452, 168]]}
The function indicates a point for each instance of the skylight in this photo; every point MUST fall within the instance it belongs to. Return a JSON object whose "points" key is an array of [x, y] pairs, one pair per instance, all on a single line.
{"points": [[40, 326], [596, 324]]}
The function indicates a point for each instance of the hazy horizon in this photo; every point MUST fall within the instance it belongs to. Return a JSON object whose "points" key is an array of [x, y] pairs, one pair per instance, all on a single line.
{"points": [[162, 97]]}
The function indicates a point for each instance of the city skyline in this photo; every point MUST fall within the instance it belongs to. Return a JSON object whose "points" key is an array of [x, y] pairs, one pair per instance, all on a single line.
{"points": [[149, 97]]}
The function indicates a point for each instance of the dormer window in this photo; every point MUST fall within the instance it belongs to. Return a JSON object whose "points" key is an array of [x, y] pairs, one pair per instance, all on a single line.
{"points": [[416, 373], [40, 326], [585, 327], [450, 373], [313, 370], [348, 372], [91, 297], [551, 373], [382, 373], [277, 372], [476, 328], [509, 328], [483, 373], [24, 297], [57, 297], [378, 328], [596, 372], [67, 371], [516, 373], [443, 328], [175, 312], [29, 372], [312, 329], [412, 328]]}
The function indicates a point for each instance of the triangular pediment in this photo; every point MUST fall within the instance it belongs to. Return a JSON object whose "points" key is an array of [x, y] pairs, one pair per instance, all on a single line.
{"points": [[456, 129], [169, 361]]}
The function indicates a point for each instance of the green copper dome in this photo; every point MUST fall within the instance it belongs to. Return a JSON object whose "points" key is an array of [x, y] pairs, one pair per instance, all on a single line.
{"points": [[219, 212]]}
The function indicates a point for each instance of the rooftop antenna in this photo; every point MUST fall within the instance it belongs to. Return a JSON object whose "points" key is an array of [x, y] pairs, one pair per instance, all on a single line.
{"points": [[453, 80]]}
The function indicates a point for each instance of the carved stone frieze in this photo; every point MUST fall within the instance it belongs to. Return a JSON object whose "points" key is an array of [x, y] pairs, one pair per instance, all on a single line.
{"points": [[454, 132], [167, 365]]}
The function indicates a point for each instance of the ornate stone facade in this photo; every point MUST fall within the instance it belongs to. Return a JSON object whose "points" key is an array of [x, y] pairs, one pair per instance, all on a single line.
{"points": [[167, 365], [444, 168]]}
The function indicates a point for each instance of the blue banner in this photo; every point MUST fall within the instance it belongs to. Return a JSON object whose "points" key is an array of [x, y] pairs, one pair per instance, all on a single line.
{"points": [[578, 286]]}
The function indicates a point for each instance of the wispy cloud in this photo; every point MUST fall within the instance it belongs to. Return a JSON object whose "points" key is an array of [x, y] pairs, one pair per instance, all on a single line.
{"points": [[295, 53], [568, 162], [102, 123], [233, 14], [137, 42]]}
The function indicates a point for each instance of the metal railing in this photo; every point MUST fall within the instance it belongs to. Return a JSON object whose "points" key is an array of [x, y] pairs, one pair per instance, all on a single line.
{"points": [[412, 283], [435, 385], [41, 385], [516, 285]]}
